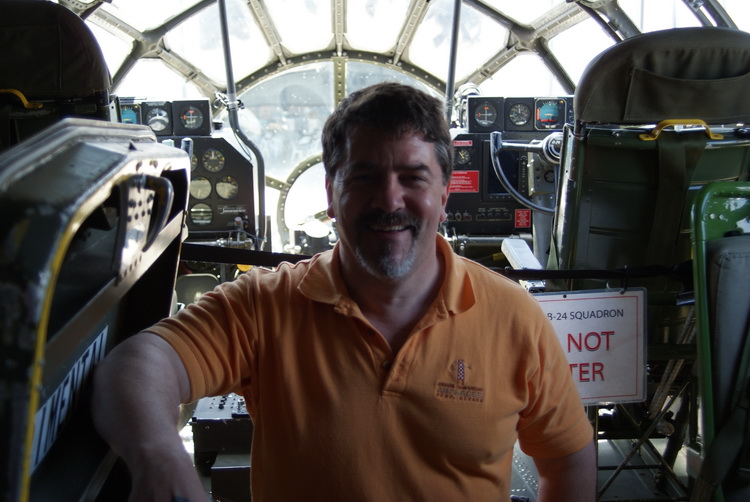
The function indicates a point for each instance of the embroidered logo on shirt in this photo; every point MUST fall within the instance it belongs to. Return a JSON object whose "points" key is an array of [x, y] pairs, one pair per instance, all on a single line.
{"points": [[458, 389]]}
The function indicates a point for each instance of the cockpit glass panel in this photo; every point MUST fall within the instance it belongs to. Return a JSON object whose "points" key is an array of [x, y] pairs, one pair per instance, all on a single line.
{"points": [[739, 10], [653, 16], [150, 78], [512, 79], [115, 48], [360, 75], [308, 29], [479, 38], [524, 12], [145, 14], [285, 114], [573, 53], [199, 39], [371, 24]]}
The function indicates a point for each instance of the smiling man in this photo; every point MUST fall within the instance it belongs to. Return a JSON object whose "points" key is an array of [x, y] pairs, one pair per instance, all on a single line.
{"points": [[387, 369]]}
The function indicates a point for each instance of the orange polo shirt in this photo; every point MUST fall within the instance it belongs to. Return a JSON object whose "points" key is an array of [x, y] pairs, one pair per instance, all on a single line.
{"points": [[338, 416]]}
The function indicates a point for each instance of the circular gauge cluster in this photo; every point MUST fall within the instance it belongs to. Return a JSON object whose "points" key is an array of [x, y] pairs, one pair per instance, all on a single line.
{"points": [[485, 114], [519, 114], [191, 117], [550, 114], [213, 160], [201, 214], [212, 185], [158, 119]]}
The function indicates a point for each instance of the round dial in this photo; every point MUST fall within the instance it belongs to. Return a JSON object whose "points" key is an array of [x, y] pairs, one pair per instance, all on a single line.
{"points": [[201, 214], [200, 188], [193, 162], [157, 119], [519, 114], [550, 114], [463, 156], [213, 160], [191, 117], [485, 114], [227, 187]]}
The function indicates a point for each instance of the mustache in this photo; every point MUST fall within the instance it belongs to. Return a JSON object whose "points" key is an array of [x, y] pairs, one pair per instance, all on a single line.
{"points": [[382, 218]]}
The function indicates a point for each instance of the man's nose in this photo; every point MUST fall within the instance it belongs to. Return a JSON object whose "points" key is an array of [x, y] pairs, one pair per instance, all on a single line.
{"points": [[389, 194]]}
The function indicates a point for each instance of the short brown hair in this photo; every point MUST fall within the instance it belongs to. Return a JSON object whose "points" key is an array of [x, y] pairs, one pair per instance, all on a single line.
{"points": [[389, 107]]}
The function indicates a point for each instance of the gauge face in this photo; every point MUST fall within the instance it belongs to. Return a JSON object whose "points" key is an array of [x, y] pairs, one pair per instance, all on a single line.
{"points": [[129, 114], [485, 114], [200, 188], [463, 156], [550, 114], [157, 119], [213, 160], [191, 117], [227, 187], [519, 114], [201, 214], [193, 162]]}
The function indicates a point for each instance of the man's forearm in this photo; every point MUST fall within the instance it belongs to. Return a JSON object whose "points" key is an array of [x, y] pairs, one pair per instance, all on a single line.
{"points": [[568, 479], [137, 392]]}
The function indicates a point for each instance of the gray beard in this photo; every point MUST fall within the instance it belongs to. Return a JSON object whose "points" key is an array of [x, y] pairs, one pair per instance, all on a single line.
{"points": [[383, 265]]}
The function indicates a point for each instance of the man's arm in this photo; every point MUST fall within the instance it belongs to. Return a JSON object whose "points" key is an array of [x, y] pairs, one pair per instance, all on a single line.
{"points": [[568, 479], [138, 388]]}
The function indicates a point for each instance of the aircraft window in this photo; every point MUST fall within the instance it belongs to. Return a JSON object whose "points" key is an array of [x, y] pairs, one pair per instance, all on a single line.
{"points": [[479, 38], [524, 12], [145, 14], [151, 78], [306, 200], [525, 75], [199, 37], [308, 30], [360, 75], [740, 12], [370, 25], [285, 113], [578, 45], [114, 48], [652, 16]]}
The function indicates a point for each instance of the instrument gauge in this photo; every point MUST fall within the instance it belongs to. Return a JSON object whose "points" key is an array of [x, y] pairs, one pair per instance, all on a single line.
{"points": [[485, 114], [463, 156], [157, 119], [550, 114], [191, 117], [227, 187], [200, 188], [519, 114], [213, 160], [193, 162], [201, 214]]}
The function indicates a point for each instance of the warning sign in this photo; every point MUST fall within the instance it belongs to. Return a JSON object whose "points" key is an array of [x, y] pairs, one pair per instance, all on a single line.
{"points": [[603, 336], [464, 182], [523, 218]]}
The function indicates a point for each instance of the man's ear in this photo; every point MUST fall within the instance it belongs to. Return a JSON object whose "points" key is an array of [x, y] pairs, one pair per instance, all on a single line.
{"points": [[329, 194], [444, 201]]}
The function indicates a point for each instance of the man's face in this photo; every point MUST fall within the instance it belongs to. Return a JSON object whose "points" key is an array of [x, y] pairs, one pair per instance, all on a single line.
{"points": [[388, 197]]}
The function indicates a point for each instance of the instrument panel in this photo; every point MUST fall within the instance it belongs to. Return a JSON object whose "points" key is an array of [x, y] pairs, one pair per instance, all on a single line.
{"points": [[221, 189], [190, 117], [487, 114]]}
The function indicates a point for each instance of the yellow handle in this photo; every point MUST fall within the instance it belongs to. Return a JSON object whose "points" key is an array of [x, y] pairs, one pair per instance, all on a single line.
{"points": [[673, 122], [19, 95]]}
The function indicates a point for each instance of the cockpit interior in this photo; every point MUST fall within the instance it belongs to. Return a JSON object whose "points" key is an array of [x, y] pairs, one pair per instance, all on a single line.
{"points": [[150, 151]]}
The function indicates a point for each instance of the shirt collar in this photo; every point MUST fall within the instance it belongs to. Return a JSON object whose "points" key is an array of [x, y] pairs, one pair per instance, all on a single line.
{"points": [[323, 283]]}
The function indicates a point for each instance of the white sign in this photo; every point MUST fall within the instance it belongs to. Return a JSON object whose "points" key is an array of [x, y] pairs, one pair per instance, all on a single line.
{"points": [[603, 335]]}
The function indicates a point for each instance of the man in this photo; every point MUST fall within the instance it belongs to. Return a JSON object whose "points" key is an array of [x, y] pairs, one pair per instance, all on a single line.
{"points": [[386, 369]]}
